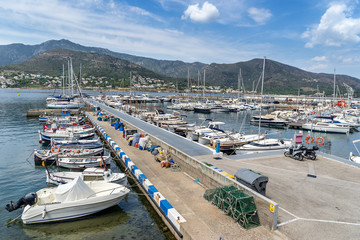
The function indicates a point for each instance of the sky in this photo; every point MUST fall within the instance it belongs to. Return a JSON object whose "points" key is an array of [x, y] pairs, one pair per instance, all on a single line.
{"points": [[316, 36]]}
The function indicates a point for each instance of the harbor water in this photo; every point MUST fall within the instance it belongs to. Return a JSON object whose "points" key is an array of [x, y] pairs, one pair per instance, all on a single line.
{"points": [[133, 218]]}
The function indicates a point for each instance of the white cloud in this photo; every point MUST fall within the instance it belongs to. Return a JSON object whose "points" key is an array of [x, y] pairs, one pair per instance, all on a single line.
{"points": [[319, 59], [317, 67], [336, 28], [206, 13], [259, 15]]}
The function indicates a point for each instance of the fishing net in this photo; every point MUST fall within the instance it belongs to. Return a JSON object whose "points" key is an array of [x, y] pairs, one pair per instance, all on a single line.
{"points": [[236, 204]]}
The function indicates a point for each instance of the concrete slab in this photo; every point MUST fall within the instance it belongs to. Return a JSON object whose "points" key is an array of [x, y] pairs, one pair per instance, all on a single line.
{"points": [[325, 207]]}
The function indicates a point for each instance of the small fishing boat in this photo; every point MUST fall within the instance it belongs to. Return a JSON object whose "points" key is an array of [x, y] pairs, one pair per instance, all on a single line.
{"points": [[75, 146], [68, 201], [50, 155], [89, 174], [47, 136], [83, 162], [67, 141]]}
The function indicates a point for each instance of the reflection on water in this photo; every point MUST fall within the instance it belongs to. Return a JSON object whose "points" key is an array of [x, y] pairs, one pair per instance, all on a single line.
{"points": [[89, 226]]}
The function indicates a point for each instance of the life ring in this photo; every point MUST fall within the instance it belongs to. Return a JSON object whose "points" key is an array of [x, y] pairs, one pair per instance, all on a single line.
{"points": [[55, 149], [321, 142], [309, 139]]}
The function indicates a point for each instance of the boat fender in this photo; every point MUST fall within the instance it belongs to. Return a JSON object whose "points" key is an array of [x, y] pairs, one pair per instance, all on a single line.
{"points": [[44, 212], [27, 199]]}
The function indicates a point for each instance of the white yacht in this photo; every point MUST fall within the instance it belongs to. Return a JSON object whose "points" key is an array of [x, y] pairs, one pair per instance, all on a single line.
{"points": [[327, 127]]}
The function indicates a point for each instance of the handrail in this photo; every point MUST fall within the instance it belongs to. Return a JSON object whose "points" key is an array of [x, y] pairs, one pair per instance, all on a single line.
{"points": [[112, 190]]}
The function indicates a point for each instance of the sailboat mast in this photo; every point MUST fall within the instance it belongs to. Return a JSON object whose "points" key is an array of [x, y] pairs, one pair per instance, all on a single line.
{"points": [[130, 84], [63, 80], [262, 88], [68, 81], [198, 79], [334, 94], [72, 78], [204, 85], [239, 83], [80, 77], [188, 78]]}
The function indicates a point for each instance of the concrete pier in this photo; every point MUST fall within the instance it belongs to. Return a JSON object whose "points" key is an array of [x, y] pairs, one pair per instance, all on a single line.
{"points": [[313, 199]]}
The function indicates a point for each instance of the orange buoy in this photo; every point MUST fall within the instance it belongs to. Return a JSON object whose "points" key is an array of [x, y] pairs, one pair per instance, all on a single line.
{"points": [[320, 140], [309, 139], [55, 149]]}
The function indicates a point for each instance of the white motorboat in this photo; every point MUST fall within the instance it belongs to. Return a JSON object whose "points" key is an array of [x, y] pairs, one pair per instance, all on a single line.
{"points": [[269, 120], [65, 105], [206, 138], [327, 127], [89, 174], [202, 130], [72, 200], [266, 144], [236, 140]]}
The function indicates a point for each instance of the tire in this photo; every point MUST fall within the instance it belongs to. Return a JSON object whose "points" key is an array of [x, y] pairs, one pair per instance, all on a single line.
{"points": [[298, 156], [287, 154], [312, 156]]}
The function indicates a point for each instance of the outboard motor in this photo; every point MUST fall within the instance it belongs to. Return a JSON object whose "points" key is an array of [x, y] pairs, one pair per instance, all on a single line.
{"points": [[27, 199]]}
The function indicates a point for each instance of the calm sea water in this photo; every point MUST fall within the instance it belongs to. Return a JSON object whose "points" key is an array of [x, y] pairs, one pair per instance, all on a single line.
{"points": [[133, 218]]}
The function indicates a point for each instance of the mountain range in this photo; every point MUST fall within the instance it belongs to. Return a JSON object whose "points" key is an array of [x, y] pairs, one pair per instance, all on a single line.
{"points": [[278, 78]]}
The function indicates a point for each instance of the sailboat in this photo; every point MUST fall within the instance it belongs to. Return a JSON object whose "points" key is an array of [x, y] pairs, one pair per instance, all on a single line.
{"points": [[69, 100], [267, 143]]}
